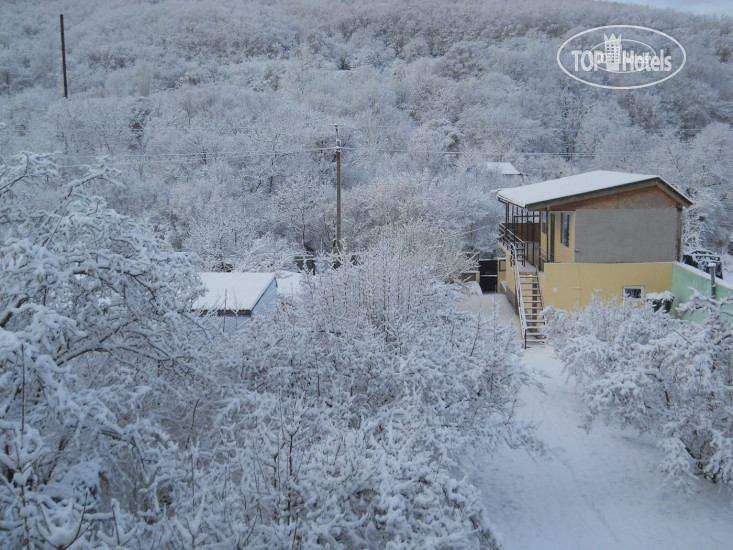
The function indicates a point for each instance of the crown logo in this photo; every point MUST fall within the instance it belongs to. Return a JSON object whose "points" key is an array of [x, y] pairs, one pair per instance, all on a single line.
{"points": [[613, 52]]}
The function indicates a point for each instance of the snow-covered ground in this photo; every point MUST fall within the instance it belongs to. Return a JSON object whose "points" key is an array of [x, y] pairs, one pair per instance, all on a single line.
{"points": [[600, 490], [487, 303]]}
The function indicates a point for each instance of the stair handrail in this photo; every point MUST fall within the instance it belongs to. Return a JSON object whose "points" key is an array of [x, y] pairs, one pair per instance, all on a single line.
{"points": [[540, 314], [520, 305]]}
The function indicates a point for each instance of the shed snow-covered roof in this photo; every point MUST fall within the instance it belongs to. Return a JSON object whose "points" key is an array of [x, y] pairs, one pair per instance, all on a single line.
{"points": [[233, 291], [504, 168], [576, 186]]}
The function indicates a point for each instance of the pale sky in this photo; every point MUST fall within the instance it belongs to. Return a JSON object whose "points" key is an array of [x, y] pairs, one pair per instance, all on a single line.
{"points": [[694, 6]]}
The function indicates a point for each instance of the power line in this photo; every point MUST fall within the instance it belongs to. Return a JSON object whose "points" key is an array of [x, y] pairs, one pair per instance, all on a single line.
{"points": [[517, 153], [328, 127], [160, 158], [212, 152], [157, 158]]}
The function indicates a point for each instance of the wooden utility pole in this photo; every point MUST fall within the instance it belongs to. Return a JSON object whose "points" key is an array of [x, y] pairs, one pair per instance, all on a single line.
{"points": [[63, 56], [338, 194]]}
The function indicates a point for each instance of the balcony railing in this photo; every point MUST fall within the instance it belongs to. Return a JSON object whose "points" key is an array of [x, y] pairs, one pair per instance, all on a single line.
{"points": [[516, 246]]}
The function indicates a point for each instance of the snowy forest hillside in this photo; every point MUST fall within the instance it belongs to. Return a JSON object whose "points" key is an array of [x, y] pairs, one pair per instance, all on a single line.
{"points": [[222, 116]]}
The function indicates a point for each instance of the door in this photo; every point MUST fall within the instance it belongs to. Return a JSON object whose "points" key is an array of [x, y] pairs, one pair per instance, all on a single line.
{"points": [[489, 274]]}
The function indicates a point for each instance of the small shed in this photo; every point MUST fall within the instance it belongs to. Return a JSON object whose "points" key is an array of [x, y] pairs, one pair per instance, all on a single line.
{"points": [[503, 168], [238, 295]]}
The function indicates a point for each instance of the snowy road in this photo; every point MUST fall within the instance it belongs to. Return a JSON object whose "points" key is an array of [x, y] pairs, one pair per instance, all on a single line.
{"points": [[594, 491]]}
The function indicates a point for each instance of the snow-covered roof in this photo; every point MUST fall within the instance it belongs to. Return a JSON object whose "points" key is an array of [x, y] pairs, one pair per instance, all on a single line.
{"points": [[504, 168], [232, 291], [580, 184]]}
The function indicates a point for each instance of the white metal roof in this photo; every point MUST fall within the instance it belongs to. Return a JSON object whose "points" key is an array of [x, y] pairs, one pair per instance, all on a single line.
{"points": [[504, 168], [232, 291], [580, 184]]}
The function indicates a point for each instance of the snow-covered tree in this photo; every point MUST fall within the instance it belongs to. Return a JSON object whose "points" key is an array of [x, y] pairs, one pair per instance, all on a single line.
{"points": [[231, 241], [304, 210], [344, 418], [98, 358], [339, 419], [657, 374]]}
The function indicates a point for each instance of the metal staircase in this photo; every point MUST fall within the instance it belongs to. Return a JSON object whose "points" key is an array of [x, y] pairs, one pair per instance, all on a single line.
{"points": [[528, 292], [529, 304]]}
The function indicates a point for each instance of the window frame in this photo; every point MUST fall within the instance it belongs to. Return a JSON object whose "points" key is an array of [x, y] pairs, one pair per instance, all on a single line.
{"points": [[565, 229], [640, 288]]}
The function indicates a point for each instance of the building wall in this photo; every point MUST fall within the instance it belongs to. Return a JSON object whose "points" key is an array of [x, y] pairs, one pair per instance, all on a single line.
{"points": [[686, 280], [563, 254], [507, 283], [572, 285], [268, 300], [619, 235], [545, 240], [649, 197]]}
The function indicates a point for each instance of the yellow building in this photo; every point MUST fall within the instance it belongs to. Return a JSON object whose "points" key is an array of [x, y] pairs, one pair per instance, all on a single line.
{"points": [[608, 233]]}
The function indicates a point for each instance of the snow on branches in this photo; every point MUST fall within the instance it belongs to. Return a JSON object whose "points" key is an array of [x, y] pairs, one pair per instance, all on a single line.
{"points": [[347, 410], [95, 345], [661, 375], [338, 419]]}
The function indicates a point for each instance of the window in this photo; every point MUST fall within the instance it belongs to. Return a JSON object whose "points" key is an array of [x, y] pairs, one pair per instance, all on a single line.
{"points": [[633, 293], [543, 222], [565, 229]]}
